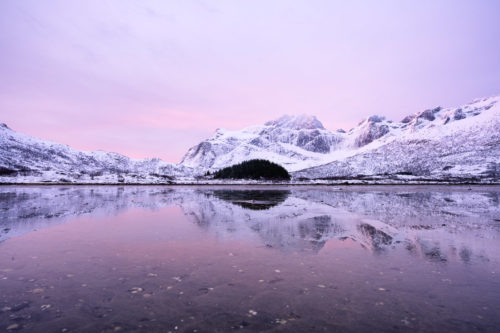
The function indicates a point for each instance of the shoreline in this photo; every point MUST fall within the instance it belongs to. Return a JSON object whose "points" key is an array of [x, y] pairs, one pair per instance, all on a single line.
{"points": [[346, 184]]}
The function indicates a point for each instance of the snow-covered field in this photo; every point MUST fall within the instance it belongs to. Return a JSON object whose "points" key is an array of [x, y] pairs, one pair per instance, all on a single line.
{"points": [[439, 145]]}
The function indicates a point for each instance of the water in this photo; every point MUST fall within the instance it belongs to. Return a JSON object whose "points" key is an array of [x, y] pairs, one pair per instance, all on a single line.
{"points": [[259, 259]]}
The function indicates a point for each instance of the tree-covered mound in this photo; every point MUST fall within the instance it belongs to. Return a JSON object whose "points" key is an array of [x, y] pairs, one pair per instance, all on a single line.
{"points": [[254, 169]]}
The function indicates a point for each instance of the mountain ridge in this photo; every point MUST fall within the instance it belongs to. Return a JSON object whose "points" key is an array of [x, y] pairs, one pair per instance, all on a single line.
{"points": [[310, 146], [27, 159], [438, 144]]}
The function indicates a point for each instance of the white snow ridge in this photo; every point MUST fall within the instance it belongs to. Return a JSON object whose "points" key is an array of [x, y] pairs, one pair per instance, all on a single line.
{"points": [[452, 145]]}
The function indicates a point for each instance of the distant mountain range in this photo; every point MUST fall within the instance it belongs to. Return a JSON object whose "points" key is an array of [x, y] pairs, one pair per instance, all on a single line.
{"points": [[459, 144], [25, 159]]}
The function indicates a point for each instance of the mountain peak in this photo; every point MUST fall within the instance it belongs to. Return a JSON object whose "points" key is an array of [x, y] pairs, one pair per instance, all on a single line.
{"points": [[4, 125], [298, 122]]}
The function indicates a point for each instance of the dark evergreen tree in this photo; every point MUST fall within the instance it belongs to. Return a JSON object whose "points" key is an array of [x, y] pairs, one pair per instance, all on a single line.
{"points": [[254, 169]]}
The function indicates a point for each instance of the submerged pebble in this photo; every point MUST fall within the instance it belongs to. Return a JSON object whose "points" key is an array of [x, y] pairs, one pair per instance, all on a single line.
{"points": [[45, 307], [13, 327], [135, 290]]}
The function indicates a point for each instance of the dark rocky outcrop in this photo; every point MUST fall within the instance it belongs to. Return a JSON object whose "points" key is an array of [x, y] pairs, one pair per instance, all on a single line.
{"points": [[408, 119], [427, 115], [372, 132], [459, 114], [313, 141]]}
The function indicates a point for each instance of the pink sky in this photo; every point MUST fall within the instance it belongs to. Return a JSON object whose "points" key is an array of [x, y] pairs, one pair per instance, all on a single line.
{"points": [[153, 78]]}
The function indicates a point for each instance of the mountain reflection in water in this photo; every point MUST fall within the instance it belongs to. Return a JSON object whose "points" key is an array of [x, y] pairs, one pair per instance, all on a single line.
{"points": [[433, 222], [266, 259]]}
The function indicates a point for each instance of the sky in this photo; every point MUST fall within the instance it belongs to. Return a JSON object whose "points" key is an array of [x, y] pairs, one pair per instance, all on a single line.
{"points": [[153, 78]]}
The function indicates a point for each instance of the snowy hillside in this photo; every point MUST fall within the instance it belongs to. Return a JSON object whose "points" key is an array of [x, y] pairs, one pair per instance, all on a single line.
{"points": [[25, 159]]}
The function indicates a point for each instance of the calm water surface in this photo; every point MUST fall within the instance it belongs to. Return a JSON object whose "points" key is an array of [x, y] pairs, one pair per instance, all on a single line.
{"points": [[259, 259]]}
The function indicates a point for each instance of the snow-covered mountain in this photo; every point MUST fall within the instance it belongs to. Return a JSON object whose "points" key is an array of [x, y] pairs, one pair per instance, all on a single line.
{"points": [[437, 145], [25, 159], [294, 142], [455, 144]]}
